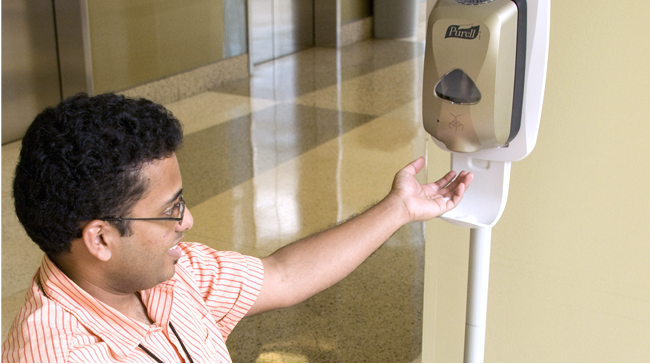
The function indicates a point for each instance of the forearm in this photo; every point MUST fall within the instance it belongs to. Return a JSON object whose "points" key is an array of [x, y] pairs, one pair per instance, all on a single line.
{"points": [[308, 266], [313, 264]]}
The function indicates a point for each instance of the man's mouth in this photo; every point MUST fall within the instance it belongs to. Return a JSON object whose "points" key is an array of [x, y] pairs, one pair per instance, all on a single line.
{"points": [[175, 251]]}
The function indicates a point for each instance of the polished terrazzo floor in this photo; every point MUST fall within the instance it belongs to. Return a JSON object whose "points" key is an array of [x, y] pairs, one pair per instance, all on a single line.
{"points": [[307, 141]]}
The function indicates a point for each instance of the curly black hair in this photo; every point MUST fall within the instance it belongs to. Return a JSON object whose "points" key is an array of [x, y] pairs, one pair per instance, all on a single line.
{"points": [[81, 161]]}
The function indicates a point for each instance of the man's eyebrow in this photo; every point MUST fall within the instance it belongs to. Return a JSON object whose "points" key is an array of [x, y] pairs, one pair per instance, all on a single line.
{"points": [[176, 196]]}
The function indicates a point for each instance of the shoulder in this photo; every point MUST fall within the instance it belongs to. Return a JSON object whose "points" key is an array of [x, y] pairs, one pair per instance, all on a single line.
{"points": [[41, 332], [202, 261], [227, 282]]}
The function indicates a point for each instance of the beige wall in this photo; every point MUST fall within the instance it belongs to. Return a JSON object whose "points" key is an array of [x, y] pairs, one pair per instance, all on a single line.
{"points": [[570, 269]]}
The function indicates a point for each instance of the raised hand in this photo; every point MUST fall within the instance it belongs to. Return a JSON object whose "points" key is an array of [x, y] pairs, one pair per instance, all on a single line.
{"points": [[424, 202]]}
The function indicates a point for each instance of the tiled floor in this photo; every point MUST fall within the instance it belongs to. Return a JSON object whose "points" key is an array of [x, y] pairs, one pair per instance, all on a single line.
{"points": [[309, 140]]}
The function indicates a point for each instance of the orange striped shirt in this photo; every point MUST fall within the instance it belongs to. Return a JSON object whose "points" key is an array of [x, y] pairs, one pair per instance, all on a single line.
{"points": [[209, 293]]}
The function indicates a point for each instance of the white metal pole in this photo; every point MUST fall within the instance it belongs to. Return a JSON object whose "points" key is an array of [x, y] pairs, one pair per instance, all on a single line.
{"points": [[477, 294]]}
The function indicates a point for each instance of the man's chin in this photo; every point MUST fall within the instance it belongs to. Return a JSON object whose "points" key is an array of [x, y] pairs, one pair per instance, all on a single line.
{"points": [[171, 273]]}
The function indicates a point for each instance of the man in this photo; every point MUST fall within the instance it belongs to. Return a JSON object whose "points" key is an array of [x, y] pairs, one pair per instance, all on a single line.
{"points": [[98, 188]]}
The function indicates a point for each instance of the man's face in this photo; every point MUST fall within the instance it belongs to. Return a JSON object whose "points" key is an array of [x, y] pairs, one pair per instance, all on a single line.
{"points": [[147, 257]]}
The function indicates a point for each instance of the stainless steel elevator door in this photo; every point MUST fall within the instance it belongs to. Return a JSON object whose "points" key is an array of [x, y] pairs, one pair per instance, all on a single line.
{"points": [[30, 71], [279, 28]]}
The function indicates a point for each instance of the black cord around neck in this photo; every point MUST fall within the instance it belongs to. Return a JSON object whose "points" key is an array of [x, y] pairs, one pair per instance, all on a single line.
{"points": [[181, 341], [157, 359]]}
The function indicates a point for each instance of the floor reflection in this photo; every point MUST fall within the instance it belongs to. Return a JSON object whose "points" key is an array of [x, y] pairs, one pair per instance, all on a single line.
{"points": [[344, 122], [317, 68], [235, 151], [374, 315], [309, 140]]}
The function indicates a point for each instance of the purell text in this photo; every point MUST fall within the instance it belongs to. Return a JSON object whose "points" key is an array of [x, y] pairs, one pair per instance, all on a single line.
{"points": [[457, 31]]}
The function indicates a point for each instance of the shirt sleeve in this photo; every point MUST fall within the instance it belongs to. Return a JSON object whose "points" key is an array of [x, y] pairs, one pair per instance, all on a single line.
{"points": [[228, 282]]}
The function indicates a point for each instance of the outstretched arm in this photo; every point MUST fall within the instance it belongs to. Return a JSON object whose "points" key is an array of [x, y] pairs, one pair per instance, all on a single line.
{"points": [[308, 266]]}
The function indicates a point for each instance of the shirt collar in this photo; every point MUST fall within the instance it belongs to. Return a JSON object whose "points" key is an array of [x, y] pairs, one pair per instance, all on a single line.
{"points": [[121, 333]]}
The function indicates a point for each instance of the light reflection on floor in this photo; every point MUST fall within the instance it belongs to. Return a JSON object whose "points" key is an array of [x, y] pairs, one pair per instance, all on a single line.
{"points": [[309, 140], [325, 149]]}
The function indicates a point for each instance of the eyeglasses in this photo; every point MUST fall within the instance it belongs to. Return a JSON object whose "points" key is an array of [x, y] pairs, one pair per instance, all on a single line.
{"points": [[179, 206]]}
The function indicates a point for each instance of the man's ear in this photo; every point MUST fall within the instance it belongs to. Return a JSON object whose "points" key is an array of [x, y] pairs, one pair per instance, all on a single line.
{"points": [[100, 239]]}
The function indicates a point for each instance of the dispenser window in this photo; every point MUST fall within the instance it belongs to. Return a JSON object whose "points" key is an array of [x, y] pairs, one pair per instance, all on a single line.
{"points": [[458, 88]]}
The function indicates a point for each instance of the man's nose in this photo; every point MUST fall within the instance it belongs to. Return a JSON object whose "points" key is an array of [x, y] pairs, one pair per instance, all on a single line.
{"points": [[188, 220]]}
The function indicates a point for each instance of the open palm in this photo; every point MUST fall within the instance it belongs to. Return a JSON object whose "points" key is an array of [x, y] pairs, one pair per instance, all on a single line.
{"points": [[424, 202]]}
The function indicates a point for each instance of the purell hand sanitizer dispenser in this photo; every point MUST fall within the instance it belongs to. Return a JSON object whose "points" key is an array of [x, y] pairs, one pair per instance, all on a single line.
{"points": [[484, 76]]}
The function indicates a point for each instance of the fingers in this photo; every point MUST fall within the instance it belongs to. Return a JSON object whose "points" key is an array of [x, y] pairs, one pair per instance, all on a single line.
{"points": [[447, 191], [447, 181], [450, 181], [454, 193], [451, 188], [464, 178], [415, 166], [444, 181], [457, 188]]}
